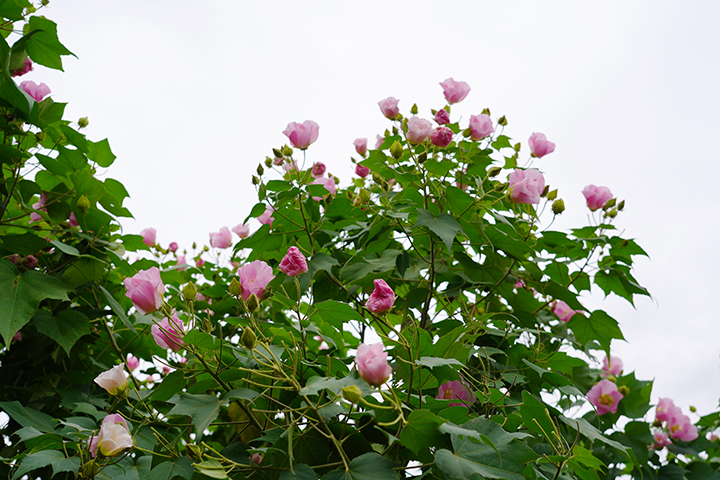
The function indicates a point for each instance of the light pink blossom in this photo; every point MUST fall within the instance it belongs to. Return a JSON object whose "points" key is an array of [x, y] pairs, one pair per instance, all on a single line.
{"points": [[39, 206], [665, 408], [277, 161], [679, 426], [145, 289], [360, 146], [379, 140], [173, 247], [328, 183], [661, 440], [113, 439], [241, 230], [290, 166], [526, 186], [539, 146], [455, 91], [221, 239], [596, 197], [519, 284], [293, 263], [441, 137], [562, 310], [611, 366], [605, 396], [301, 135], [389, 107], [149, 236], [419, 130], [254, 277], [372, 365], [169, 335], [456, 390], [266, 218], [132, 362], [318, 169], [37, 92], [113, 380], [382, 298], [362, 171], [480, 126], [181, 261]]}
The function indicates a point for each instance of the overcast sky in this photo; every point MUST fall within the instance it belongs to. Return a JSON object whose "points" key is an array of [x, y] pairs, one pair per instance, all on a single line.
{"points": [[193, 95]]}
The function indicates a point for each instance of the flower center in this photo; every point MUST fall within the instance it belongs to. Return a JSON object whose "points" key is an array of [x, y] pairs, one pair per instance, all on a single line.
{"points": [[605, 400], [447, 394]]}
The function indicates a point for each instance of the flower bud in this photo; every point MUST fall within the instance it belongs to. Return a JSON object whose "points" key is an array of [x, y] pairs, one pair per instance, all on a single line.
{"points": [[207, 326], [693, 409], [612, 213], [45, 3], [494, 171], [422, 158], [235, 288], [83, 203], [194, 451], [609, 204], [260, 170], [248, 338], [624, 390], [387, 132], [414, 109], [502, 121], [255, 180], [396, 150], [268, 162], [40, 136], [189, 292], [558, 206], [364, 196], [352, 393], [467, 132], [517, 147], [545, 191], [277, 153], [552, 195], [83, 122], [287, 151], [376, 177], [486, 111], [252, 303], [499, 187], [621, 205], [265, 294]]}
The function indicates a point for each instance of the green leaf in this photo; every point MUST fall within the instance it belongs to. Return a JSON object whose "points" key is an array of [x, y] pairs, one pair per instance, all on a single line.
{"points": [[591, 432], [701, 471], [20, 296], [126, 469], [65, 248], [202, 408], [117, 308], [369, 466], [71, 464], [211, 468], [66, 327], [337, 313], [44, 46], [299, 472], [672, 472], [28, 417], [240, 393], [444, 226], [600, 326], [433, 362], [37, 460], [321, 261], [177, 467], [170, 385], [25, 244], [100, 153], [537, 418], [421, 431]]}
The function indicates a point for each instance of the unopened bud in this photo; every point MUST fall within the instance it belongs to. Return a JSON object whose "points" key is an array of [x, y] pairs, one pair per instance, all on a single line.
{"points": [[558, 206], [612, 213], [45, 2], [486, 111], [189, 292], [387, 132], [277, 153], [255, 180], [40, 136], [194, 245], [207, 326], [83, 203], [364, 196], [287, 151], [83, 122], [376, 177], [422, 158], [268, 162], [545, 191], [657, 423], [517, 147], [396, 150], [609, 204], [266, 293], [467, 132], [502, 121], [552, 195], [693, 409], [624, 390], [494, 171], [235, 288], [252, 303], [621, 205], [499, 187], [194, 451], [248, 338], [352, 393], [206, 248], [414, 109], [262, 191], [260, 170]]}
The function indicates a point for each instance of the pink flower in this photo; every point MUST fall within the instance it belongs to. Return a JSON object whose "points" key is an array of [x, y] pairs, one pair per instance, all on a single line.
{"points": [[266, 218], [562, 310], [27, 67], [539, 146], [360, 146], [456, 390], [181, 261], [168, 335], [256, 458], [441, 137], [293, 263], [40, 206], [114, 437], [418, 130], [37, 92], [362, 171], [221, 239], [199, 262], [596, 197], [379, 140], [389, 107], [290, 166], [113, 380], [254, 277], [519, 284], [328, 183], [611, 366], [277, 161], [149, 236], [30, 262], [680, 427], [173, 247], [480, 126], [382, 298], [454, 91], [145, 289], [301, 135], [605, 396], [132, 362], [442, 117], [241, 230], [661, 440], [665, 408], [526, 186], [72, 221], [16, 338], [372, 365], [318, 169]]}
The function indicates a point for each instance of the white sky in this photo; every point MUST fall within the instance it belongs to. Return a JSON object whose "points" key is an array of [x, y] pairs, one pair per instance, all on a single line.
{"points": [[193, 95]]}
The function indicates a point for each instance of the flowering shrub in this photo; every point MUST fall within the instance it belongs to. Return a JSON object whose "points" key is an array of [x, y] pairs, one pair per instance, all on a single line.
{"points": [[423, 322]]}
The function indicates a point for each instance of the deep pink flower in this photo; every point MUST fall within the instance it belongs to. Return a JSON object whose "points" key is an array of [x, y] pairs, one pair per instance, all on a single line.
{"points": [[611, 366], [455, 91], [562, 310], [382, 298], [132, 362], [328, 183], [241, 230], [539, 146], [379, 140], [293, 263], [480, 126], [318, 169], [605, 396], [169, 335], [372, 365], [389, 107], [37, 92], [72, 221], [221, 239], [254, 277], [596, 197], [199, 262], [442, 117], [266, 218], [301, 135], [145, 289], [526, 186], [680, 427], [441, 137], [27, 67], [362, 171], [173, 247], [456, 390], [665, 408], [661, 440], [419, 129], [149, 236], [360, 146]]}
